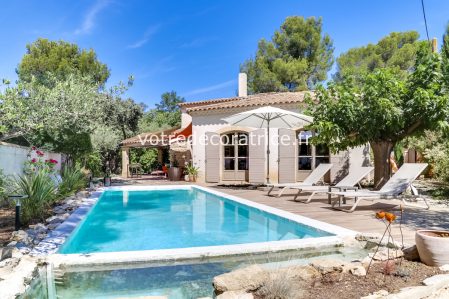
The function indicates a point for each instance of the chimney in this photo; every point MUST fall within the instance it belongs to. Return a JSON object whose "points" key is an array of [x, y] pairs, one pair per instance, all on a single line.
{"points": [[243, 85]]}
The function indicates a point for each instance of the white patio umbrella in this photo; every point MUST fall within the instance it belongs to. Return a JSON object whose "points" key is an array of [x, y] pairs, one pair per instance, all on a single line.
{"points": [[269, 117]]}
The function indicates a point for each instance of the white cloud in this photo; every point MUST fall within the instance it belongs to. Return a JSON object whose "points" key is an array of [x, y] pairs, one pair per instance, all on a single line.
{"points": [[198, 42], [91, 15], [210, 88], [145, 38]]}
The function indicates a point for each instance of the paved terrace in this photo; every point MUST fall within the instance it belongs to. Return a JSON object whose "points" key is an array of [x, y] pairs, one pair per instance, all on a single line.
{"points": [[361, 220]]}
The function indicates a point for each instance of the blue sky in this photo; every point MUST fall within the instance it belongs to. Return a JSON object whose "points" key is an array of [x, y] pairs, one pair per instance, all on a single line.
{"points": [[195, 47]]}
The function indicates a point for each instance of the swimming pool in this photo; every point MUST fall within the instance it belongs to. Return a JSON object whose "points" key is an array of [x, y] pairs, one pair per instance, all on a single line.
{"points": [[175, 217]]}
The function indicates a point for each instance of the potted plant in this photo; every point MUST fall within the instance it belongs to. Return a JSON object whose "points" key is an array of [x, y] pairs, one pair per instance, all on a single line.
{"points": [[433, 246], [192, 172]]}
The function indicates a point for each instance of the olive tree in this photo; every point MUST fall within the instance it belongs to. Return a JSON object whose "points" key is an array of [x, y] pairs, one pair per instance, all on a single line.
{"points": [[383, 110]]}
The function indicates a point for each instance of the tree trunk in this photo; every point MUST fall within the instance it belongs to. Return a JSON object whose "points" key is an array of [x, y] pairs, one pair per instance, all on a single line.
{"points": [[382, 169]]}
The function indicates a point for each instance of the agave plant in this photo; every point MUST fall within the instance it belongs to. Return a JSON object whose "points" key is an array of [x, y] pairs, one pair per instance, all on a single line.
{"points": [[40, 192], [73, 179]]}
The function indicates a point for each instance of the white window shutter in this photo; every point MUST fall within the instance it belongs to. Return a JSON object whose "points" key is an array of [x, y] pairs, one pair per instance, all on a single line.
{"points": [[257, 158], [212, 157], [287, 156]]}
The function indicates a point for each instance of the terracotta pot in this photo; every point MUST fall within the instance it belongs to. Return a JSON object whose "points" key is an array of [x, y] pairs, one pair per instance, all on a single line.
{"points": [[192, 178], [432, 247]]}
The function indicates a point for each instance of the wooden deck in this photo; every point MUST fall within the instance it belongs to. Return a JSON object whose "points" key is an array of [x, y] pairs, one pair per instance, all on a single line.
{"points": [[362, 219]]}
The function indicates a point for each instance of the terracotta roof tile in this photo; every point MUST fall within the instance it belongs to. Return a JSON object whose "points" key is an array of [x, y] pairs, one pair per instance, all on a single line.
{"points": [[261, 99]]}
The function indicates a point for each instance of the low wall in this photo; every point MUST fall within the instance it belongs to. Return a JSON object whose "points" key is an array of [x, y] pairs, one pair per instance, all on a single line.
{"points": [[13, 157]]}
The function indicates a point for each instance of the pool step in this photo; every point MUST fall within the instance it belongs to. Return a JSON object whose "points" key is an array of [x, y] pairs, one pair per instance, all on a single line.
{"points": [[58, 276]]}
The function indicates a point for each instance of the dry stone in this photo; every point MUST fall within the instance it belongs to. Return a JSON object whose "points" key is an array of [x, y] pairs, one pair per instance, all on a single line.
{"points": [[6, 253], [358, 271], [235, 295], [245, 279], [325, 266], [445, 268], [383, 255], [299, 273], [411, 253]]}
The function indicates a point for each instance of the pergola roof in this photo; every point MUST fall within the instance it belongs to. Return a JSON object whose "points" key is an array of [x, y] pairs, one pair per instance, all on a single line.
{"points": [[158, 138], [149, 139]]}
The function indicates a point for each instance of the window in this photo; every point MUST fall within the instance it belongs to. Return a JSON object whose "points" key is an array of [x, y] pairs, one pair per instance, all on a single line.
{"points": [[235, 151], [310, 156]]}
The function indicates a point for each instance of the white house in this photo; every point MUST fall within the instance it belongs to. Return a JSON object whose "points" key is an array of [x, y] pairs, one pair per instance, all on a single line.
{"points": [[237, 162]]}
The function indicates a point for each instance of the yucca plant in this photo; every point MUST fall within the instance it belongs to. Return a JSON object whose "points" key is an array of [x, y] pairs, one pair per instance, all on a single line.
{"points": [[40, 192], [73, 179]]}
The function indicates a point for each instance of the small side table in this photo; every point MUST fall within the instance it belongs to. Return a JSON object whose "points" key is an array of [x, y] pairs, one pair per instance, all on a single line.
{"points": [[339, 189]]}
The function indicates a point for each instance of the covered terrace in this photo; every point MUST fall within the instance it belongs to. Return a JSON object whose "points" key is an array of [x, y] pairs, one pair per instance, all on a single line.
{"points": [[172, 146]]}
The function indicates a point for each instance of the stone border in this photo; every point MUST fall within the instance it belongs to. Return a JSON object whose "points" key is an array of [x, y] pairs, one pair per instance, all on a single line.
{"points": [[58, 237]]}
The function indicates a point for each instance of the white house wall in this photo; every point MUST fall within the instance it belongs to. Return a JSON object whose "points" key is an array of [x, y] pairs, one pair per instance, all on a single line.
{"points": [[203, 122]]}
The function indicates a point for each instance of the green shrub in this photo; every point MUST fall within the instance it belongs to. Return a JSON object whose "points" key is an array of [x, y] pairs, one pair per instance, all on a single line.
{"points": [[73, 179], [41, 194], [3, 188], [94, 163]]}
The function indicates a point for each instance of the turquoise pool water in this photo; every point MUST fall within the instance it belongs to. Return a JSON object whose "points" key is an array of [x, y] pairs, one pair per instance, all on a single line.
{"points": [[166, 219]]}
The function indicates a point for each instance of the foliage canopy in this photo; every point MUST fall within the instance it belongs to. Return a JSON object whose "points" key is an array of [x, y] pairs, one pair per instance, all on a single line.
{"points": [[396, 51], [60, 59], [298, 56]]}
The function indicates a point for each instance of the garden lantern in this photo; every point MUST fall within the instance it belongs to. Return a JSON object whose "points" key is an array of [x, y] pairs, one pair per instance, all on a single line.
{"points": [[17, 199]]}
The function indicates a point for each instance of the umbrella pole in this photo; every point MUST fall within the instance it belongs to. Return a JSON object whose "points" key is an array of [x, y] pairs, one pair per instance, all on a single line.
{"points": [[268, 151]]}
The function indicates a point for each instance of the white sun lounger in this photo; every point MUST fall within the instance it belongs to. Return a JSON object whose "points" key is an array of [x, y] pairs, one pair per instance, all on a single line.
{"points": [[394, 187], [311, 180], [356, 174]]}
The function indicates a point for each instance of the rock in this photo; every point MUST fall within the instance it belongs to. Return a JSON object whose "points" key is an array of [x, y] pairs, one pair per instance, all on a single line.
{"points": [[6, 253], [38, 227], [15, 279], [411, 253], [244, 279], [437, 279], [23, 248], [373, 239], [52, 226], [54, 219], [12, 244], [299, 273], [445, 268], [9, 262], [65, 216], [377, 295], [325, 266], [358, 271], [19, 236], [383, 255], [235, 295], [82, 194], [366, 261], [58, 210]]}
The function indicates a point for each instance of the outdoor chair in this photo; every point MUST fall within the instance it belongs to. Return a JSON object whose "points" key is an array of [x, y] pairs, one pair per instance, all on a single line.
{"points": [[355, 175], [394, 188], [314, 177]]}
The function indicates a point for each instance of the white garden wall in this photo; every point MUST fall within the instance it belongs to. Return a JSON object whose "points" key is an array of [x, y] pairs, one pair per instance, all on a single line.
{"points": [[13, 157]]}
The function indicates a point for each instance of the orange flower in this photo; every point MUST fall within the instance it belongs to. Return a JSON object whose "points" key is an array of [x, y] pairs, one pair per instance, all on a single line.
{"points": [[390, 217], [380, 215]]}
